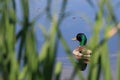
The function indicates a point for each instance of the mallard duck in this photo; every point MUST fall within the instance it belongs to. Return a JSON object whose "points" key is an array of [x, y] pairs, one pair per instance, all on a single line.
{"points": [[81, 53]]}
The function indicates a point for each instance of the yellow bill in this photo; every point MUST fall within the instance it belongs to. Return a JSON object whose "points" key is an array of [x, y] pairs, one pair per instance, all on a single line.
{"points": [[74, 38]]}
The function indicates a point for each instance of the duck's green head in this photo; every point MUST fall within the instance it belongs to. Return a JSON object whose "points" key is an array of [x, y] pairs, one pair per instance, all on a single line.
{"points": [[81, 38]]}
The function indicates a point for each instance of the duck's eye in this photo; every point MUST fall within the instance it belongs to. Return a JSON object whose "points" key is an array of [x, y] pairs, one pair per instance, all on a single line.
{"points": [[79, 38]]}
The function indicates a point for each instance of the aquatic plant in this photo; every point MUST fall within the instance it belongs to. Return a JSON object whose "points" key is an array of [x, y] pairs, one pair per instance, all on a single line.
{"points": [[27, 63]]}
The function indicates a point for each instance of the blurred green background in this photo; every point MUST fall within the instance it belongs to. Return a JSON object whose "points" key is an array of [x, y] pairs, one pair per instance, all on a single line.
{"points": [[34, 34]]}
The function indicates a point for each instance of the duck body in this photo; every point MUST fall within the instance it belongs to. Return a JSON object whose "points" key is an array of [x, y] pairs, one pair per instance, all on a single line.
{"points": [[81, 53]]}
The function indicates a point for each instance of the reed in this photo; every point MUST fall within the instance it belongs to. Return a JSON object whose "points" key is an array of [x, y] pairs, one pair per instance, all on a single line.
{"points": [[29, 64]]}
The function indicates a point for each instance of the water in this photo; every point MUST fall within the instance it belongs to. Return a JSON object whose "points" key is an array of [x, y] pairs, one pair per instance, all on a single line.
{"points": [[72, 25]]}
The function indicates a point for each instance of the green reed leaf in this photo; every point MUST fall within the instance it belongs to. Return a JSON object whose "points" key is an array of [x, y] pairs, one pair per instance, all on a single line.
{"points": [[58, 70]]}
